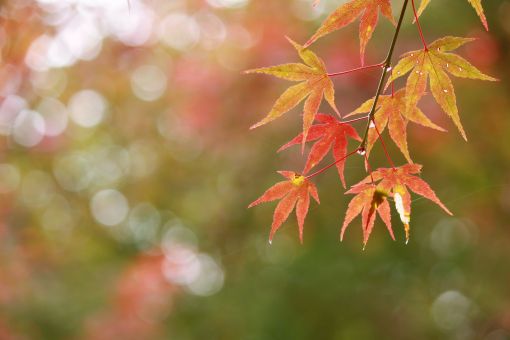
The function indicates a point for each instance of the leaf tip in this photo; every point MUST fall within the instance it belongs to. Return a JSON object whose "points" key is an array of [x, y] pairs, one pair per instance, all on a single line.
{"points": [[485, 23], [293, 43], [256, 125], [308, 43]]}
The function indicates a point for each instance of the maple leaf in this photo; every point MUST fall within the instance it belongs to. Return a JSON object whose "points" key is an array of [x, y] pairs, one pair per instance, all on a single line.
{"points": [[391, 112], [435, 63], [477, 5], [315, 84], [369, 199], [329, 134], [391, 182], [294, 192], [350, 11]]}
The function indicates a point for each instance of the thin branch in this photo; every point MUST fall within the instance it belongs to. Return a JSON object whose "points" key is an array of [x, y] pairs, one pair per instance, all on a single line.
{"points": [[386, 68]]}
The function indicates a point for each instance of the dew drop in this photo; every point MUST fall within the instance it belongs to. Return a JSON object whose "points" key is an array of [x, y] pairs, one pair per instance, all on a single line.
{"points": [[372, 125], [460, 69], [445, 91], [398, 72], [421, 73], [388, 69], [447, 65], [412, 54], [362, 152], [270, 242]]}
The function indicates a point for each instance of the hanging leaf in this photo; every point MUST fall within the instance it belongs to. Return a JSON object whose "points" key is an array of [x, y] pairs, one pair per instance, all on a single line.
{"points": [[315, 84], [350, 11], [391, 112], [434, 64], [329, 134], [294, 192], [369, 200], [373, 191]]}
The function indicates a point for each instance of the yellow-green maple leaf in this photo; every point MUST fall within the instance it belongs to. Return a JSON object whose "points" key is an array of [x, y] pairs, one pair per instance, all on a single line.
{"points": [[314, 85], [432, 66]]}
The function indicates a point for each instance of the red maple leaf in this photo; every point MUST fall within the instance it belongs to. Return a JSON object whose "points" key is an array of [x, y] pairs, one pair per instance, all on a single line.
{"points": [[294, 192], [329, 134], [391, 182]]}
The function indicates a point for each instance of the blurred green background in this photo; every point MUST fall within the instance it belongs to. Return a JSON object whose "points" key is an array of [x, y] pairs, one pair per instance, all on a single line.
{"points": [[127, 165]]}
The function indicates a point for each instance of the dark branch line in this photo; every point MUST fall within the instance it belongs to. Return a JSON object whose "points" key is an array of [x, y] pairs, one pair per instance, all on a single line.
{"points": [[386, 69]]}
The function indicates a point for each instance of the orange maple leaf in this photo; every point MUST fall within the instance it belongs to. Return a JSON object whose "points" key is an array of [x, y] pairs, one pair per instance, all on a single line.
{"points": [[391, 112], [350, 11], [373, 191], [315, 84], [294, 192], [369, 199], [329, 134]]}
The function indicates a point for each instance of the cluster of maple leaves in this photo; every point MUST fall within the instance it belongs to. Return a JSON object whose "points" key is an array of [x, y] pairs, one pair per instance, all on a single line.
{"points": [[429, 67]]}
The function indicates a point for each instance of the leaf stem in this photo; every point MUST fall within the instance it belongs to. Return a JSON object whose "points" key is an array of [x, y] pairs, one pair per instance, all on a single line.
{"points": [[355, 70], [384, 146], [392, 86], [354, 120], [419, 26], [332, 164], [386, 68], [369, 168]]}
